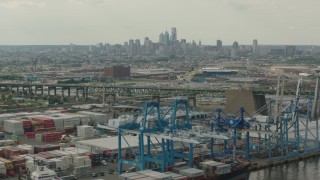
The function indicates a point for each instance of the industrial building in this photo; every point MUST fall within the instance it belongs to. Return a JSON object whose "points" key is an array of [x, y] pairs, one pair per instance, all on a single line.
{"points": [[158, 74], [117, 71], [291, 69]]}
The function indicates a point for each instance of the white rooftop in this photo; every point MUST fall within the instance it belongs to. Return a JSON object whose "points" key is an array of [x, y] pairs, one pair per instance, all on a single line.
{"points": [[111, 143], [91, 113]]}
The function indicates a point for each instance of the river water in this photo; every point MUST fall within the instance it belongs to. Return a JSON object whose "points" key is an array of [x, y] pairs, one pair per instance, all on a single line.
{"points": [[303, 170]]}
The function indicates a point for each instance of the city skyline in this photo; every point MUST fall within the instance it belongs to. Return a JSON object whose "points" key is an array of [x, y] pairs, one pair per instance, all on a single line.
{"points": [[45, 22]]}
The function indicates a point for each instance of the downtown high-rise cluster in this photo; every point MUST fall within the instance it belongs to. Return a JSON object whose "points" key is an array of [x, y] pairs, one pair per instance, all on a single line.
{"points": [[169, 44]]}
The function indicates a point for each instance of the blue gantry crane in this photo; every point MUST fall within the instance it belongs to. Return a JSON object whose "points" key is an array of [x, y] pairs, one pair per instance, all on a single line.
{"points": [[230, 124], [159, 132], [163, 132], [293, 121], [234, 127], [140, 161]]}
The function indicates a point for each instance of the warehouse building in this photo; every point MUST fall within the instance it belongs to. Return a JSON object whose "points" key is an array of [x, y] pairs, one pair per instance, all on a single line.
{"points": [[117, 71]]}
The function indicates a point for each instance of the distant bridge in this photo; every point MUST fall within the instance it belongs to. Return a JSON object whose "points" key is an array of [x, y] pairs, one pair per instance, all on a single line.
{"points": [[85, 90]]}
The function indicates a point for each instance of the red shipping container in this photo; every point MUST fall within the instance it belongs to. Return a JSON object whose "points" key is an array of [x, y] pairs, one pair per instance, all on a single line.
{"points": [[30, 135], [47, 155], [10, 172], [51, 137], [46, 122], [44, 148], [169, 168], [17, 160], [38, 130], [24, 151], [106, 153], [26, 123], [43, 156], [7, 152]]}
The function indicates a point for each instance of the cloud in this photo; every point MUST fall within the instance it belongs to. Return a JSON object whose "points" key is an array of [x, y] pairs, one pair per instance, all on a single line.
{"points": [[242, 5], [87, 1], [12, 4], [237, 5]]}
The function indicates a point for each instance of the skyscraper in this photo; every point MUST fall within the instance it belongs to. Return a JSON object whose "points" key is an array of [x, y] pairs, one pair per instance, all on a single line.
{"points": [[161, 38], [166, 39], [137, 42], [146, 39], [219, 44], [235, 45], [131, 47], [173, 34], [137, 46], [255, 47], [235, 49], [148, 46]]}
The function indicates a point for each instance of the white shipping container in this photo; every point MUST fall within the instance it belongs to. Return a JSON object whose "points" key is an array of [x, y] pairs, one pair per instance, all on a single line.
{"points": [[18, 132], [192, 172], [58, 123], [87, 162], [2, 164], [80, 118], [85, 131], [13, 126], [145, 172], [4, 117], [60, 164], [39, 137], [223, 169], [27, 157], [209, 164], [74, 118], [30, 166], [127, 175], [82, 161], [96, 117], [6, 142], [3, 169], [65, 160], [27, 147], [161, 176]]}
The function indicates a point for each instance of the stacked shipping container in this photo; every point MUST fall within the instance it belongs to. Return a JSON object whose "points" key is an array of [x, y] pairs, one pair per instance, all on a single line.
{"points": [[47, 123], [51, 137], [14, 127], [27, 125], [85, 131]]}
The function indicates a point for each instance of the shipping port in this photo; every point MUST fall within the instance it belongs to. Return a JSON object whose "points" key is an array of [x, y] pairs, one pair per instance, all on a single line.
{"points": [[91, 97], [165, 139]]}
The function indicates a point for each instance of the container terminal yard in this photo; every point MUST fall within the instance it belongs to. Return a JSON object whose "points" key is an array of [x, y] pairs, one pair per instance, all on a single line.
{"points": [[161, 140], [129, 90]]}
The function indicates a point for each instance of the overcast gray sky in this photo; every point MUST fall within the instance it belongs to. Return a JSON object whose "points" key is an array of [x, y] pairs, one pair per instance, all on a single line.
{"points": [[117, 21]]}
